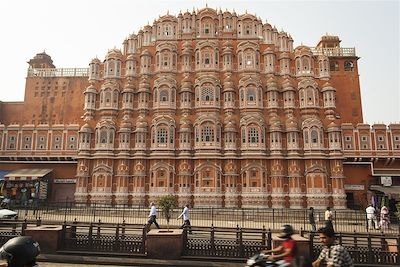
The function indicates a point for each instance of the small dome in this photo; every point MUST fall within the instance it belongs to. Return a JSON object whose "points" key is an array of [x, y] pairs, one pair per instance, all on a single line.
{"points": [[86, 128], [90, 89], [141, 122], [130, 57], [302, 50], [145, 53], [95, 61], [114, 54], [269, 50], [291, 123]]}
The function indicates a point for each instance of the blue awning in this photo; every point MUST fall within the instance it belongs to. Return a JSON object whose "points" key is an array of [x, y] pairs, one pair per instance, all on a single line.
{"points": [[2, 174]]}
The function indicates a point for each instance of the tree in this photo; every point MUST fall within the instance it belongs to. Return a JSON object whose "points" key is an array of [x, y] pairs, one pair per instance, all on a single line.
{"points": [[167, 204]]}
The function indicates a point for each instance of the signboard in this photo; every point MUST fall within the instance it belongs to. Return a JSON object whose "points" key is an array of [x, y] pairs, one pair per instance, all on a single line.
{"points": [[354, 187], [43, 190], [386, 180], [64, 181]]}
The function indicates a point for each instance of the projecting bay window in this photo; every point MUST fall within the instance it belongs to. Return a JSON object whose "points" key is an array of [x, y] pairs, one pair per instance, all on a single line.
{"points": [[124, 140], [275, 141], [140, 140], [84, 142], [334, 141], [292, 141]]}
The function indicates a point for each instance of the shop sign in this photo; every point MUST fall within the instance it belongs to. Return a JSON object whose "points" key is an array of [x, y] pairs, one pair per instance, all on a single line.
{"points": [[354, 187], [64, 181], [43, 190], [386, 180]]}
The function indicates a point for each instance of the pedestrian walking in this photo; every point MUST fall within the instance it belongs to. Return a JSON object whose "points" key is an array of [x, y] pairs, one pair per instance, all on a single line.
{"points": [[152, 216], [311, 219], [332, 255], [372, 222], [328, 218], [186, 221], [385, 218]]}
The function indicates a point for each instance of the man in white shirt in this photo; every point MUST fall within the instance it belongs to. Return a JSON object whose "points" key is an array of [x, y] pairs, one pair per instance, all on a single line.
{"points": [[328, 218], [152, 216], [371, 217], [185, 215]]}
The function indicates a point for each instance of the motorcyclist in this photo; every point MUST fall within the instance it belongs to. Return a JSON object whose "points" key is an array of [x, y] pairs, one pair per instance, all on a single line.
{"points": [[284, 255], [20, 251]]}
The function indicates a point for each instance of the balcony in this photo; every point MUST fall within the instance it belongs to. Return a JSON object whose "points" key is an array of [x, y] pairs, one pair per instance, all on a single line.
{"points": [[334, 51], [62, 72]]}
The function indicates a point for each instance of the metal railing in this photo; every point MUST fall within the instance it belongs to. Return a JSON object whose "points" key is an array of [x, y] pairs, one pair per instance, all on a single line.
{"points": [[60, 72], [205, 242], [334, 51], [344, 220]]}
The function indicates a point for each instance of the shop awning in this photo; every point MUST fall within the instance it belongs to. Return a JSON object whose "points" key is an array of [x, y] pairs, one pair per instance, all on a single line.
{"points": [[2, 174], [394, 190], [26, 174]]}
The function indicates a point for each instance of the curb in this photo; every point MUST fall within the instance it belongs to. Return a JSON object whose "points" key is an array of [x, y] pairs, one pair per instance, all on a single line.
{"points": [[130, 261]]}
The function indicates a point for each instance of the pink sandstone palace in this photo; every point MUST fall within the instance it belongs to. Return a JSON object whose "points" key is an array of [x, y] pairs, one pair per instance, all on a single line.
{"points": [[215, 107]]}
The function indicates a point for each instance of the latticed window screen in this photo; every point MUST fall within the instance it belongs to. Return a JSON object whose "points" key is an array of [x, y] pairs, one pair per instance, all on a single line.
{"points": [[253, 135], [207, 134], [162, 136], [207, 94]]}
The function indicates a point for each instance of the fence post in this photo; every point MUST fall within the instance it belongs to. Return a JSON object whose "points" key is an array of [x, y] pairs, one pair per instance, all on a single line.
{"points": [[116, 245], [14, 229], [24, 226], [263, 237], [269, 240], [90, 234], [98, 229], [62, 244], [73, 228], [398, 248], [94, 212], [212, 240], [144, 237], [312, 245], [65, 213], [370, 254], [273, 218], [212, 215], [185, 240], [123, 230], [39, 222], [241, 247]]}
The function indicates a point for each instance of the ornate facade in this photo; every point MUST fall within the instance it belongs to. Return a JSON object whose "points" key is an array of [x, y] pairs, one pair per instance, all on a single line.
{"points": [[215, 107]]}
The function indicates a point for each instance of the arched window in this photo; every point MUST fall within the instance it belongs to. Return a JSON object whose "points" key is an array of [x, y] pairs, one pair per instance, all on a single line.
{"points": [[251, 95], [253, 135], [164, 96], [207, 94], [348, 65], [207, 134], [103, 136], [314, 136], [162, 136]]}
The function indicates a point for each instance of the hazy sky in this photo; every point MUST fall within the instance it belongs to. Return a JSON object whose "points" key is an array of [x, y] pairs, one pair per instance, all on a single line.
{"points": [[75, 31]]}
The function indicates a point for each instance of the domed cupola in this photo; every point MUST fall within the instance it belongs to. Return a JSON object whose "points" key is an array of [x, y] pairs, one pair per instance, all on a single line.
{"points": [[94, 69], [113, 64]]}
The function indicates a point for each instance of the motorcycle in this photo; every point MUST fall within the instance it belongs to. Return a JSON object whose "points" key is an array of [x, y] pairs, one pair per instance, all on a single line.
{"points": [[262, 260]]}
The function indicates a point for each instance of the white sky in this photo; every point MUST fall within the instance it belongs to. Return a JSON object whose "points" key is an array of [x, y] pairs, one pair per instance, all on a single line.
{"points": [[75, 31]]}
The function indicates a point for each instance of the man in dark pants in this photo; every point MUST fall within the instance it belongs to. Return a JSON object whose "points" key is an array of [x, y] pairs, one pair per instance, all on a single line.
{"points": [[311, 219], [185, 215], [152, 216]]}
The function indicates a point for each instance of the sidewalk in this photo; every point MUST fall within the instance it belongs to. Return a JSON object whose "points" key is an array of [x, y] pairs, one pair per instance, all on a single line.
{"points": [[127, 261]]}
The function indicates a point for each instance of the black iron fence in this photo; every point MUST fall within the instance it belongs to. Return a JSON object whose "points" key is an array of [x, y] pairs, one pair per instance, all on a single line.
{"points": [[344, 220], [204, 242]]}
